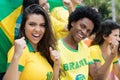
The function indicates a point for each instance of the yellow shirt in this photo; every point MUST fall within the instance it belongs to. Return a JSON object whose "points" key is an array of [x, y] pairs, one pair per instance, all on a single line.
{"points": [[97, 56], [75, 63], [32, 65]]}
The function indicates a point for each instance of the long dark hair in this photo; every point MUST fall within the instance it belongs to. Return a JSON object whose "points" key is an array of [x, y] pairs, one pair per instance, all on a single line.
{"points": [[48, 40], [27, 3], [106, 29]]}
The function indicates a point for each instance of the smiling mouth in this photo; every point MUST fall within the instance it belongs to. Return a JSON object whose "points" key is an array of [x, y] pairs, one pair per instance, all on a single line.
{"points": [[80, 36], [36, 36]]}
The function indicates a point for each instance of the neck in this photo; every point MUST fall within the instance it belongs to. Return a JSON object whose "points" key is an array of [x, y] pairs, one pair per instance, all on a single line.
{"points": [[105, 49], [71, 42], [34, 47]]}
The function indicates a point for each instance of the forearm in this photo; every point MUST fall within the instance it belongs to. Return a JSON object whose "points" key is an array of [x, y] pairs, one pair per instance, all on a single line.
{"points": [[56, 69], [116, 69], [118, 75], [70, 9], [103, 71], [12, 72], [55, 57]]}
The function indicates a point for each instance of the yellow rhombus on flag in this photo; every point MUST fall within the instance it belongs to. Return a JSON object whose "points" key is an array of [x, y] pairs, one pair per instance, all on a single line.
{"points": [[9, 12]]}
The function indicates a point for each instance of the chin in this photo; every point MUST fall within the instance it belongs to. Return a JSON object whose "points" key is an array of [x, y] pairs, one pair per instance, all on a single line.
{"points": [[35, 42], [78, 40]]}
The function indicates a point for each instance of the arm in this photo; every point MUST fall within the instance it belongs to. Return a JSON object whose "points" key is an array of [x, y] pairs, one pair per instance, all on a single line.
{"points": [[116, 69], [69, 5], [103, 70], [12, 72], [56, 68], [55, 57], [100, 72]]}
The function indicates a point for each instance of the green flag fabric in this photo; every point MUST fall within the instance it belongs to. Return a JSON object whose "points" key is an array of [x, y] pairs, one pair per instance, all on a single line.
{"points": [[55, 3], [9, 11]]}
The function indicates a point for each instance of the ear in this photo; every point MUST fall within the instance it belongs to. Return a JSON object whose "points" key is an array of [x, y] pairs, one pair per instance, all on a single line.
{"points": [[72, 24], [105, 37]]}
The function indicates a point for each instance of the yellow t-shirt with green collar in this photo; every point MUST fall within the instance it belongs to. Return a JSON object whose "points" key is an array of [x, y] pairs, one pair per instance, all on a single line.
{"points": [[32, 65], [97, 56], [75, 63]]}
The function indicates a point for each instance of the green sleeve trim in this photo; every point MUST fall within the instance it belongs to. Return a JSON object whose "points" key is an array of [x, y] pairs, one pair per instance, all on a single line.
{"points": [[96, 60], [20, 67], [8, 64], [115, 62], [91, 62]]}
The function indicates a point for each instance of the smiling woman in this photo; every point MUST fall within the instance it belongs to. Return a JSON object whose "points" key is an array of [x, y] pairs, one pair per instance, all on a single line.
{"points": [[104, 50], [35, 29], [33, 56]]}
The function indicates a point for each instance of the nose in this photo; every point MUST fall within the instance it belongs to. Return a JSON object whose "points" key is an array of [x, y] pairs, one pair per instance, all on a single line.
{"points": [[37, 28], [84, 31]]}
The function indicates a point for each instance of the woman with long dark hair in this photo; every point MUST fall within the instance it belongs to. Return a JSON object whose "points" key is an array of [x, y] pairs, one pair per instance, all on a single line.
{"points": [[33, 56], [104, 50]]}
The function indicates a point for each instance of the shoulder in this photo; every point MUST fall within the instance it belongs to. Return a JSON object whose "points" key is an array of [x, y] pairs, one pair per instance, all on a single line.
{"points": [[57, 8], [94, 47], [82, 44], [60, 42]]}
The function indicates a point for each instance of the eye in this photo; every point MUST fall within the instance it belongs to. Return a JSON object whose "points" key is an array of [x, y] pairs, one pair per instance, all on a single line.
{"points": [[116, 35], [42, 25], [82, 26], [32, 24], [89, 31]]}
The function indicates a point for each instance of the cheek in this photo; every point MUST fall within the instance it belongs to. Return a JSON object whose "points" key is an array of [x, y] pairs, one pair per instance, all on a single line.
{"points": [[43, 30], [110, 39], [87, 35], [113, 38], [27, 32]]}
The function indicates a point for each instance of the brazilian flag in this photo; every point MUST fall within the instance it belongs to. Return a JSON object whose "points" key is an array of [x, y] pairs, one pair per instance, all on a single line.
{"points": [[9, 12], [55, 3]]}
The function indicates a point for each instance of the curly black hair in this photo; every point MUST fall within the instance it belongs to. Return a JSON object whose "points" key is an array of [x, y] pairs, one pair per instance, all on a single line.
{"points": [[85, 12]]}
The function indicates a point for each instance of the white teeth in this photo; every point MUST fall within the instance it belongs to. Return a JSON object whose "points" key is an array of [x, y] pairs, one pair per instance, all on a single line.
{"points": [[80, 35], [36, 35]]}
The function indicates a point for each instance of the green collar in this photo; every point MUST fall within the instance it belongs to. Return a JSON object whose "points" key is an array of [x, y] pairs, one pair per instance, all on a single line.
{"points": [[73, 50], [65, 7], [31, 49]]}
